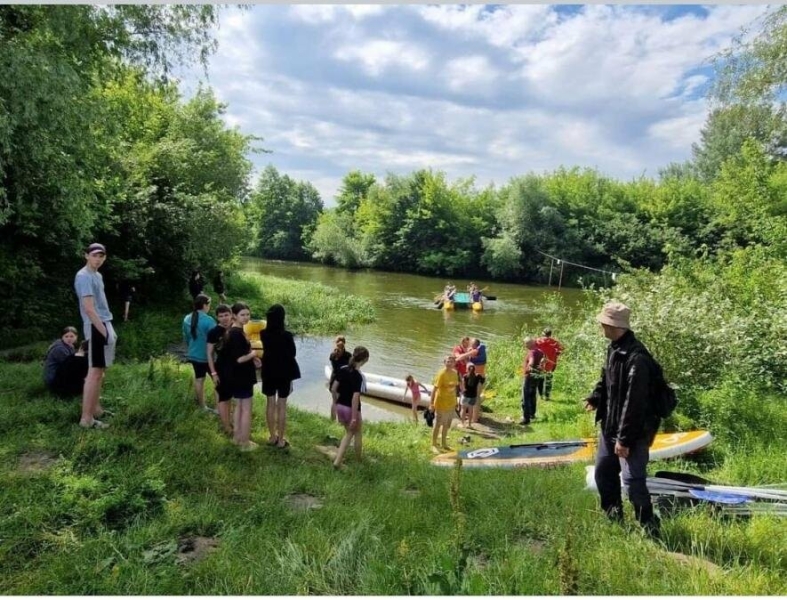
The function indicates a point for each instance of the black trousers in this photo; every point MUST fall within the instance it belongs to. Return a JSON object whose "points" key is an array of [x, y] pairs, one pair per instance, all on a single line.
{"points": [[70, 376], [634, 469]]}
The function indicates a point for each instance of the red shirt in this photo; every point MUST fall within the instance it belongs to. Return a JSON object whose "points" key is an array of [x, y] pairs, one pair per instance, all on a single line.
{"points": [[551, 349], [461, 364]]}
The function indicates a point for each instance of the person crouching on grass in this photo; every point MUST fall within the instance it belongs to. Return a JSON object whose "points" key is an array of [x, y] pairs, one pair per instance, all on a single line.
{"points": [[346, 392], [243, 362], [443, 402]]}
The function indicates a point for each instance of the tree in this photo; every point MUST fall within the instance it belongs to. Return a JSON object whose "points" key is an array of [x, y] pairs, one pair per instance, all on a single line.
{"points": [[754, 71], [727, 127], [285, 214], [355, 187]]}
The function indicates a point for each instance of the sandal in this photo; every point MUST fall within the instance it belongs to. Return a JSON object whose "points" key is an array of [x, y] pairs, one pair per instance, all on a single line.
{"points": [[285, 445], [95, 424], [273, 441]]}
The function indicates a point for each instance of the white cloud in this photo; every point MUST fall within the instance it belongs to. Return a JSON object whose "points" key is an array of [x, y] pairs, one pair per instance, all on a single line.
{"points": [[473, 73], [493, 92], [377, 56]]}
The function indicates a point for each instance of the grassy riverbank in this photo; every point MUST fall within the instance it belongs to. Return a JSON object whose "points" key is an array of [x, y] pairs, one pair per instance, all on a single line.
{"points": [[161, 503], [116, 512]]}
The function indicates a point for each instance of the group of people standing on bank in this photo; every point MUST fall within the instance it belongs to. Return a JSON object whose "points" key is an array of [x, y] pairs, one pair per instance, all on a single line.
{"points": [[622, 398], [223, 350]]}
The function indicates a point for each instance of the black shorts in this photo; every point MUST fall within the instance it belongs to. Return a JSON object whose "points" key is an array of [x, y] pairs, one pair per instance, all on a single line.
{"points": [[277, 387], [101, 350], [200, 369], [242, 392]]}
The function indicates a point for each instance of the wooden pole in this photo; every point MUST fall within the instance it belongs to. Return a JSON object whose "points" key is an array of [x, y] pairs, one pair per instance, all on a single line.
{"points": [[560, 283]]}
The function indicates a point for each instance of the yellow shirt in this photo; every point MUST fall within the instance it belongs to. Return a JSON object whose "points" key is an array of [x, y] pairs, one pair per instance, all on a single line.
{"points": [[445, 383]]}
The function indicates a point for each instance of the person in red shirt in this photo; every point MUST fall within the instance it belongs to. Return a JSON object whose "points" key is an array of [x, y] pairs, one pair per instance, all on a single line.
{"points": [[462, 352], [533, 375], [552, 349]]}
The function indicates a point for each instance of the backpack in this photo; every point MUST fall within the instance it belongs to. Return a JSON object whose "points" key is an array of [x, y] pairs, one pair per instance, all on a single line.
{"points": [[663, 398]]}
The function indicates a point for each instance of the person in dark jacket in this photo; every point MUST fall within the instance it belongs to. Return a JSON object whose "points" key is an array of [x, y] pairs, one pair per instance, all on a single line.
{"points": [[279, 369], [196, 284], [622, 401]]}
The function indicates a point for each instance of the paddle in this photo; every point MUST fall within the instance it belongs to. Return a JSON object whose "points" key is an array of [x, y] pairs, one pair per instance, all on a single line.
{"points": [[490, 297]]}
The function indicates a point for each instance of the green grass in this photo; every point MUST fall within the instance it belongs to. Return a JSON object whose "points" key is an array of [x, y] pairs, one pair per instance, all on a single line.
{"points": [[107, 516]]}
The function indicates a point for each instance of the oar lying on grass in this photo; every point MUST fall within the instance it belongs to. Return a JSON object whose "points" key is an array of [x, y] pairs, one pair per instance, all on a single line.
{"points": [[671, 483]]}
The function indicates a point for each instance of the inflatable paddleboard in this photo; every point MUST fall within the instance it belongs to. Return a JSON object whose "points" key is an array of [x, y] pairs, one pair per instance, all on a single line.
{"points": [[666, 445]]}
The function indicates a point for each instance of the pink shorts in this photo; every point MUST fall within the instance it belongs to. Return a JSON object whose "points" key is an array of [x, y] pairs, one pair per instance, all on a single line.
{"points": [[344, 414]]}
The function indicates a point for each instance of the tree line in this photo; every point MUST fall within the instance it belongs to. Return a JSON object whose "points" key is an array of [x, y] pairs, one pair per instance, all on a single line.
{"points": [[97, 142]]}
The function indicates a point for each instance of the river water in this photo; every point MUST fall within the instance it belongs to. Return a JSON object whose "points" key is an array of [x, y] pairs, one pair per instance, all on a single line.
{"points": [[410, 335]]}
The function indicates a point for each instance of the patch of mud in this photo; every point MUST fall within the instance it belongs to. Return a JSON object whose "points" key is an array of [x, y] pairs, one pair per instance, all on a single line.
{"points": [[695, 561], [35, 462], [193, 549], [303, 502]]}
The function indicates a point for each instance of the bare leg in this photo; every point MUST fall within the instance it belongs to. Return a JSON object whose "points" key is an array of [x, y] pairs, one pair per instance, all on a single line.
{"points": [[236, 434], [348, 435], [126, 306], [244, 421], [224, 414], [359, 441], [90, 395], [415, 412], [270, 419], [281, 421], [199, 390]]}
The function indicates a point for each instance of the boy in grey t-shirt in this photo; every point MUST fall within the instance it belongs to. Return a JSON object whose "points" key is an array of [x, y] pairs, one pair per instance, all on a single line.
{"points": [[97, 323]]}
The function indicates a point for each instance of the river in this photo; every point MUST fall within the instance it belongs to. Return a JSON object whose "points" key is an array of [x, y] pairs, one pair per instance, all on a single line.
{"points": [[410, 335]]}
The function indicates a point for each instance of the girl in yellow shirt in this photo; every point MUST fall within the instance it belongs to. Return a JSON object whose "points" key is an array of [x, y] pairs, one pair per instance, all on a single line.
{"points": [[443, 402]]}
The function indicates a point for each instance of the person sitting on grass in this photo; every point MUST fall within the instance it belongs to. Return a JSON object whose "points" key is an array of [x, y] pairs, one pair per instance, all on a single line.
{"points": [[346, 391], [65, 368], [443, 402]]}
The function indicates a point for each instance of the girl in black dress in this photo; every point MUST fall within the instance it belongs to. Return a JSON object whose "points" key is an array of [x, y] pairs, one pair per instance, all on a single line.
{"points": [[242, 374], [279, 370]]}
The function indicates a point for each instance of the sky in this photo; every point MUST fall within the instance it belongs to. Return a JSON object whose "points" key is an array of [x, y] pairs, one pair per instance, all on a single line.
{"points": [[484, 91]]}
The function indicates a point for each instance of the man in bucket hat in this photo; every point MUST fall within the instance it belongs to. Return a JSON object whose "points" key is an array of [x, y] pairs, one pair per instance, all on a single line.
{"points": [[622, 403]]}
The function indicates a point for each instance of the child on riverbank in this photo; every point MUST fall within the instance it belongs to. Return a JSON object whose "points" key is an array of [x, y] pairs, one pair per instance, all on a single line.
{"points": [[472, 381], [220, 367], [279, 370], [443, 402], [415, 395], [338, 358], [347, 394], [196, 326], [243, 362]]}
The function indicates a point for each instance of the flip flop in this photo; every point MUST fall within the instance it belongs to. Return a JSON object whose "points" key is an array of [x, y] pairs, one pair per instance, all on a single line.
{"points": [[286, 445], [274, 441]]}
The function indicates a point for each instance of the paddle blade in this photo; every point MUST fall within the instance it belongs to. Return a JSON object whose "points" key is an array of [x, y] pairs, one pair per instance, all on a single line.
{"points": [[720, 497]]}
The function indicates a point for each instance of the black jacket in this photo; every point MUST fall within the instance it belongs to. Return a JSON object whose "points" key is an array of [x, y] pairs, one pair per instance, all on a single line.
{"points": [[622, 397]]}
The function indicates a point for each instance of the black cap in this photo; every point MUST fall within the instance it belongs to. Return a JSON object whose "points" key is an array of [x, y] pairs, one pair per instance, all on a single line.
{"points": [[95, 247]]}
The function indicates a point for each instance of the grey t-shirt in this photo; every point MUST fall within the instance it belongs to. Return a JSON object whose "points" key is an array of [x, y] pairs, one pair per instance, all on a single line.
{"points": [[91, 283]]}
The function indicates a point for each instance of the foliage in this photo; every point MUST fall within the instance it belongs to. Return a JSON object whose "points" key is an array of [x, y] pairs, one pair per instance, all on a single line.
{"points": [[753, 70], [284, 213], [94, 144]]}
